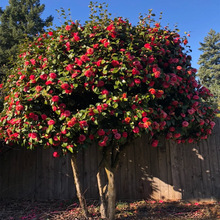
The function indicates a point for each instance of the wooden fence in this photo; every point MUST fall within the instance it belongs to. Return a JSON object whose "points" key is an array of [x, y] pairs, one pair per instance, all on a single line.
{"points": [[168, 172]]}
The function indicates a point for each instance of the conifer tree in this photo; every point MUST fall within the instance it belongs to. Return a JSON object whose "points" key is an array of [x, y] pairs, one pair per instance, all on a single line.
{"points": [[209, 61], [21, 18]]}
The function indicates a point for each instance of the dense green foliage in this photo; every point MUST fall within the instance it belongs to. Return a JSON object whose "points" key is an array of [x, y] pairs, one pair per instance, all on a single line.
{"points": [[21, 18], [106, 82], [209, 61]]}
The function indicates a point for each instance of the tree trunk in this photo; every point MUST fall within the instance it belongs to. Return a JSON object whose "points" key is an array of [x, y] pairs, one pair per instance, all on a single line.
{"points": [[107, 191], [111, 193], [102, 192], [80, 196]]}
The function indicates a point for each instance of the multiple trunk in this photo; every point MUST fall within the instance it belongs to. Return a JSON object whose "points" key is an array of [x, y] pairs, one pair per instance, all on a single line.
{"points": [[106, 183]]}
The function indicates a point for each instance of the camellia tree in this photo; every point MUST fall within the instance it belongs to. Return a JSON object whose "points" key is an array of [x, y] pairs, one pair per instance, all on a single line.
{"points": [[105, 83]]}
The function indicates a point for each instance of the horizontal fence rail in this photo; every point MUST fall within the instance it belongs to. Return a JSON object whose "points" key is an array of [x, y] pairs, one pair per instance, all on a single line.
{"points": [[169, 172]]}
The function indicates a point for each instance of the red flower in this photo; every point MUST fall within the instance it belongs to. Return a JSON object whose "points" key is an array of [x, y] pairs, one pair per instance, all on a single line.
{"points": [[115, 63], [65, 86], [50, 33], [82, 138], [117, 136], [157, 74], [19, 107], [51, 122], [66, 113], [76, 37], [55, 154], [49, 82], [106, 44], [43, 77], [135, 71], [101, 132], [44, 117], [124, 134], [185, 124], [68, 27], [33, 61], [72, 122], [136, 130], [38, 88], [152, 91], [154, 143], [177, 135], [137, 81], [127, 119], [148, 47], [53, 75], [90, 51], [105, 92], [88, 73], [55, 98], [26, 63], [32, 77], [100, 83], [179, 68], [32, 135]]}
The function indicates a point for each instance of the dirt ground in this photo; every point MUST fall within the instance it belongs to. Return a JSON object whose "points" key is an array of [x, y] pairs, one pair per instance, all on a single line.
{"points": [[69, 210]]}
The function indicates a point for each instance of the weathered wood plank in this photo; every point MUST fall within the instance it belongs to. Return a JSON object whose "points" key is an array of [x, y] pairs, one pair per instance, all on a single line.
{"points": [[171, 172]]}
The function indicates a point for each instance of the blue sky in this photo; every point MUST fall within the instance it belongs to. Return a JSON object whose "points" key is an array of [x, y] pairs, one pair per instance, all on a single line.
{"points": [[194, 16]]}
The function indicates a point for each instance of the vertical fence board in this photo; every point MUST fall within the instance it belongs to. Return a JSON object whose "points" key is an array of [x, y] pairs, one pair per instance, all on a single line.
{"points": [[170, 172]]}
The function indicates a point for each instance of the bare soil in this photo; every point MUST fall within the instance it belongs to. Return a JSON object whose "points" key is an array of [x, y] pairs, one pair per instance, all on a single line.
{"points": [[69, 210]]}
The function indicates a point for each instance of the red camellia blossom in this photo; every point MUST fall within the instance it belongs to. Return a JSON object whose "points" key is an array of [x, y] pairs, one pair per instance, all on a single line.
{"points": [[152, 91], [44, 117], [136, 130], [148, 46], [115, 63], [154, 143], [65, 86], [117, 136], [90, 51], [33, 135], [66, 113], [82, 138], [55, 98], [32, 77], [51, 122], [72, 122], [19, 107], [38, 88], [101, 132], [53, 75], [55, 154], [43, 76], [185, 124], [68, 27]]}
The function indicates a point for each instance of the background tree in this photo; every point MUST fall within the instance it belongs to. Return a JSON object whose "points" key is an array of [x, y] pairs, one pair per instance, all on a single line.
{"points": [[209, 61], [105, 83], [21, 18]]}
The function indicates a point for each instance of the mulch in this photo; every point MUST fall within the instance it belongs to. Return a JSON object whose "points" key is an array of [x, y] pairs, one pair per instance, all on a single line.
{"points": [[69, 210]]}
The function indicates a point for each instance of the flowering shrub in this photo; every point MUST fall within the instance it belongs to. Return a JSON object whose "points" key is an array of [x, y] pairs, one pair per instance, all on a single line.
{"points": [[106, 82]]}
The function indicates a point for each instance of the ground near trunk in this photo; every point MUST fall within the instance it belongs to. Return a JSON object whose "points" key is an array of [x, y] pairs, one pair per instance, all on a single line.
{"points": [[69, 210]]}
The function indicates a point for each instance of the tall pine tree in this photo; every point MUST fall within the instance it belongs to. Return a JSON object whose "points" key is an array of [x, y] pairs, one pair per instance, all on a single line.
{"points": [[21, 18], [209, 61]]}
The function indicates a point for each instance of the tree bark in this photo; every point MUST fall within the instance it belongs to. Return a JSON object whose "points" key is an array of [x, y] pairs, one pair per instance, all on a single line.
{"points": [[107, 191], [80, 196], [102, 194], [111, 193]]}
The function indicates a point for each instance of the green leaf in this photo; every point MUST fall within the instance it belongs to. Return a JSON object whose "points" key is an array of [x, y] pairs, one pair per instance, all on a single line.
{"points": [[115, 105], [51, 140]]}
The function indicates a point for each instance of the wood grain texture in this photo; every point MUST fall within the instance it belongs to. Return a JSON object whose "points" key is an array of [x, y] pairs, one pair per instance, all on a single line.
{"points": [[168, 172]]}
